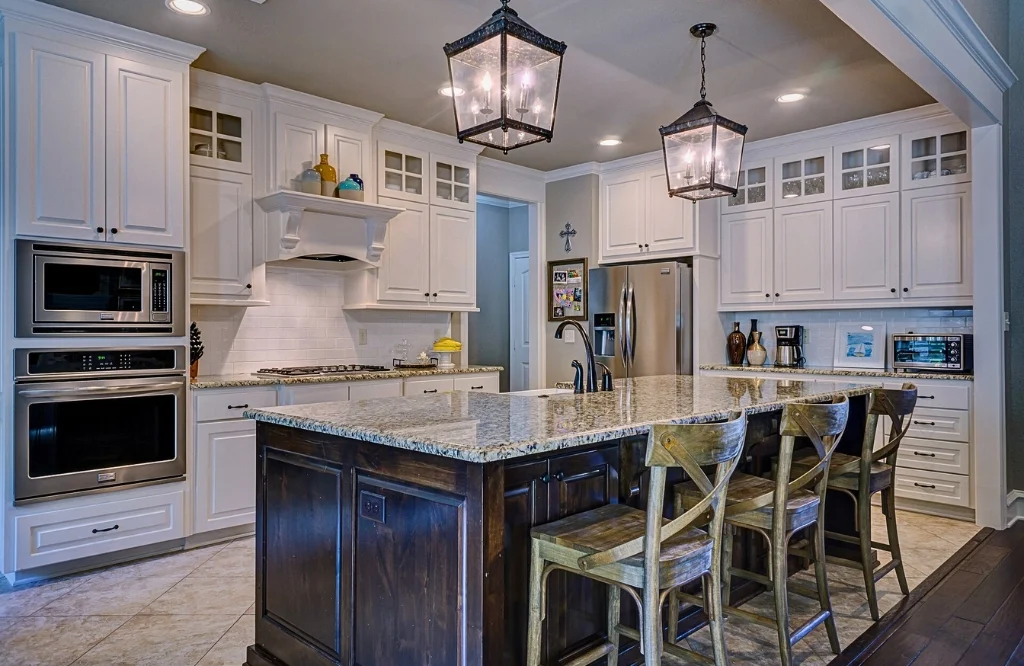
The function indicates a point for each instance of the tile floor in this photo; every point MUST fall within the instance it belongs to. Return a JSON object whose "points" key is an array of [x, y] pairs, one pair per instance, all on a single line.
{"points": [[196, 607]]}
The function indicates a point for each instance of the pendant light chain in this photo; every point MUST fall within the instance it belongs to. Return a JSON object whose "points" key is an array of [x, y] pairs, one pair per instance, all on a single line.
{"points": [[703, 69]]}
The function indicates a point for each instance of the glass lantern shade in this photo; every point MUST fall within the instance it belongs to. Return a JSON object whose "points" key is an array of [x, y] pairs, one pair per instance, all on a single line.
{"points": [[508, 74], [703, 151]]}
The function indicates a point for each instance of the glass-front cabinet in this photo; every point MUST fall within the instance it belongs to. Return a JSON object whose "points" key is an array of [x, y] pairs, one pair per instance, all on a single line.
{"points": [[803, 178], [755, 189], [402, 173], [220, 136], [867, 167], [936, 157], [453, 183]]}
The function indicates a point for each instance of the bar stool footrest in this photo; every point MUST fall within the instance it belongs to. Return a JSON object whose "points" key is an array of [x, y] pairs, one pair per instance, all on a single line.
{"points": [[881, 571], [810, 626], [592, 655]]}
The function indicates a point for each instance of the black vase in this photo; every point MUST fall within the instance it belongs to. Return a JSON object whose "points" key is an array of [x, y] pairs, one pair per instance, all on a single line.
{"points": [[753, 329]]}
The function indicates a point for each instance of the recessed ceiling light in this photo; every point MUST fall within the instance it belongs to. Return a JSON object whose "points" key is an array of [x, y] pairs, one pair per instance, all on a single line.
{"points": [[448, 91], [610, 142], [789, 98], [188, 7]]}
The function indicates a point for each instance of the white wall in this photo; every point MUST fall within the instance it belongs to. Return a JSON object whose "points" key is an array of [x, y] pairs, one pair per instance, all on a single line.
{"points": [[305, 325], [820, 327]]}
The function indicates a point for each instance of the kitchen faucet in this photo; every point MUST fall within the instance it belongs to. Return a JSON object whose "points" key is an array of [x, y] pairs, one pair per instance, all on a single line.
{"points": [[591, 366]]}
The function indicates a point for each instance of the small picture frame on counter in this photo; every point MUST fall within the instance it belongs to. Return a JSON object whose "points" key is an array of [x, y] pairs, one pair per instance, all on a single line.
{"points": [[860, 346]]}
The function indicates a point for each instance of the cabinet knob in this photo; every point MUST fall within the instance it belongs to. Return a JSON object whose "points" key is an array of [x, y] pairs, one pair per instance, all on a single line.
{"points": [[113, 230], [545, 479], [646, 246], [776, 295], [640, 245], [767, 295], [559, 476], [905, 290], [99, 230], [427, 294], [434, 294], [893, 290], [248, 286]]}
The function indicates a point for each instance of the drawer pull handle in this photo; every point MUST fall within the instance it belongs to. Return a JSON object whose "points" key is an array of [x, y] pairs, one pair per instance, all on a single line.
{"points": [[109, 529], [430, 390], [926, 397], [475, 388], [245, 406], [926, 455], [927, 423], [924, 485]]}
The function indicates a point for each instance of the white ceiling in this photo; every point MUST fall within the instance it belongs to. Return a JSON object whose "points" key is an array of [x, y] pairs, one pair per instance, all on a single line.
{"points": [[630, 67]]}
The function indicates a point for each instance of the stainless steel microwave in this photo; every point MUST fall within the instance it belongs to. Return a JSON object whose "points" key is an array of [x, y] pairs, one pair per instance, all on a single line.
{"points": [[948, 352], [98, 290]]}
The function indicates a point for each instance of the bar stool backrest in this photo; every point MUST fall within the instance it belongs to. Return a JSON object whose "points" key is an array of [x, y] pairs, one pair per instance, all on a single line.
{"points": [[898, 405]]}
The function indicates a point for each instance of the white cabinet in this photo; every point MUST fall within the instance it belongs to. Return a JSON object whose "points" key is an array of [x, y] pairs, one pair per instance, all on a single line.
{"points": [[349, 152], [222, 234], [225, 474], [145, 160], [428, 386], [98, 145], [402, 173], [369, 390], [746, 265], [803, 178], [935, 242], [936, 157], [866, 247], [481, 383], [866, 167], [803, 253], [453, 183], [58, 104], [640, 221], [298, 143], [452, 256], [220, 136], [756, 190], [404, 273]]}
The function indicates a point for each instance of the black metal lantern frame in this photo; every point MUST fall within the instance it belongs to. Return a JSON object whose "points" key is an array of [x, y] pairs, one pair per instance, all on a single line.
{"points": [[511, 127], [702, 149]]}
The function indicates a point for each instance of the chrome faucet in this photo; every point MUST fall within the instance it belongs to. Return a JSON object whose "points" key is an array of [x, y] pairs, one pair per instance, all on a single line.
{"points": [[591, 366]]}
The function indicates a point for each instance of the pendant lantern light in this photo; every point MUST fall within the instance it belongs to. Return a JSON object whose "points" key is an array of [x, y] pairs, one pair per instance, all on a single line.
{"points": [[702, 148], [509, 73]]}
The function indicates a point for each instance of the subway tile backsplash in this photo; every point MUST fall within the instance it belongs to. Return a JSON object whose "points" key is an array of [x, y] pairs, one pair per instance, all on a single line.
{"points": [[306, 325], [820, 326]]}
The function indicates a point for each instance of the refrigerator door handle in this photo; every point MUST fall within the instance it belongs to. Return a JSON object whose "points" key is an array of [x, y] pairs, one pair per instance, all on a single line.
{"points": [[621, 325], [631, 310]]}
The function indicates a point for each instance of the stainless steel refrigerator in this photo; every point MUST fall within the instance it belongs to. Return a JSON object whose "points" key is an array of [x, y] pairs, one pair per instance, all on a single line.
{"points": [[640, 318]]}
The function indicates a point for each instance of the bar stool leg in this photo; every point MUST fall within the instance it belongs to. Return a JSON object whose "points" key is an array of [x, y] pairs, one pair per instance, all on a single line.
{"points": [[713, 609], [672, 619], [726, 570], [779, 577], [533, 635], [864, 534], [651, 639], [614, 616], [821, 578], [889, 510]]}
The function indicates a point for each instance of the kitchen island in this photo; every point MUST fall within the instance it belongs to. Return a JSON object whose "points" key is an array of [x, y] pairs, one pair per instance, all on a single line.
{"points": [[396, 531]]}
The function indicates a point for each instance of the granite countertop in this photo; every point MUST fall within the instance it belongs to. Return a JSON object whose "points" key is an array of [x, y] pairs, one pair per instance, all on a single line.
{"points": [[481, 427], [839, 372], [241, 381]]}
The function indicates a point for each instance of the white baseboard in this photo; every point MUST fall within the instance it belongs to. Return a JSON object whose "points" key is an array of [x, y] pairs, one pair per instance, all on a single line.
{"points": [[1014, 507]]}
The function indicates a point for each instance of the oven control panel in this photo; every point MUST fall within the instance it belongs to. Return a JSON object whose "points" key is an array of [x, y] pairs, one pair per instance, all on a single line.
{"points": [[63, 361], [161, 307]]}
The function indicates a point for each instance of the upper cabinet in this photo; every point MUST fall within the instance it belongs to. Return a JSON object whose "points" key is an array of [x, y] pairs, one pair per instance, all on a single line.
{"points": [[747, 255], [866, 247], [803, 253], [403, 173], [936, 157], [640, 221], [453, 182], [803, 178], [298, 143], [756, 190], [935, 242], [866, 168], [98, 144], [220, 136], [221, 255]]}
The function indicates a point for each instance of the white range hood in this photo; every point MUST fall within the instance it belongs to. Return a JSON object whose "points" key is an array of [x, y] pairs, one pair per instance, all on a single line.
{"points": [[304, 226]]}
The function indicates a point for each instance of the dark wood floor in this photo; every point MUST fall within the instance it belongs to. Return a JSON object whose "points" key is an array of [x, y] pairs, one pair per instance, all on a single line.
{"points": [[969, 612]]}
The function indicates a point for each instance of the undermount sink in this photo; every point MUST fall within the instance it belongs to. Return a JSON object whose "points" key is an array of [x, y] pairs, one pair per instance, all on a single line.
{"points": [[541, 393]]}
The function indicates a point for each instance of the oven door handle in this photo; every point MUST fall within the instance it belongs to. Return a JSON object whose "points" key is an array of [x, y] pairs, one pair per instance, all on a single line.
{"points": [[138, 390]]}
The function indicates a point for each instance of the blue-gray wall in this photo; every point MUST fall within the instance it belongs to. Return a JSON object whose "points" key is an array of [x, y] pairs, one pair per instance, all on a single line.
{"points": [[1013, 241]]}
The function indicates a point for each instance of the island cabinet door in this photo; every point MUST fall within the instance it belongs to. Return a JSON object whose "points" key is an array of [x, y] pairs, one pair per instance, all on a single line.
{"points": [[577, 606]]}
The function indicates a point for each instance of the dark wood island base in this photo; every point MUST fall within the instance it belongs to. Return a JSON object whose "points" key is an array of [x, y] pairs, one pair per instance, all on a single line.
{"points": [[373, 555]]}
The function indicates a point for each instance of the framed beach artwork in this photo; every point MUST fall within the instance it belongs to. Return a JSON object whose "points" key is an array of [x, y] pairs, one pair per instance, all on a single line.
{"points": [[567, 290], [860, 346]]}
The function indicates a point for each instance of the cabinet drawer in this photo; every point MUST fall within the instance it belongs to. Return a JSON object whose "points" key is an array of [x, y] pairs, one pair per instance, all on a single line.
{"points": [[390, 388], [935, 455], [933, 486], [307, 394], [223, 405], [430, 386], [70, 534], [480, 383], [947, 424], [948, 395]]}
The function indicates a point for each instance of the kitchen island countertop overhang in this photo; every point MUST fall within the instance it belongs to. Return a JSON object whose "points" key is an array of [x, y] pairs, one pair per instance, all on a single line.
{"points": [[483, 428]]}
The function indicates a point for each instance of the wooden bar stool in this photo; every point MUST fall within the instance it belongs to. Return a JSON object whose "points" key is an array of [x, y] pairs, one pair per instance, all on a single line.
{"points": [[862, 476], [776, 510], [640, 551]]}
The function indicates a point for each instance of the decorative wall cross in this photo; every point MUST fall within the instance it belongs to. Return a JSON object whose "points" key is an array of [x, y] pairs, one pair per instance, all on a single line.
{"points": [[567, 234]]}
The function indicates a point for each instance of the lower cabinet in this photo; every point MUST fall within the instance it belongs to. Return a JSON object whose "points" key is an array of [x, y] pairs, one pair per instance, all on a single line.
{"points": [[225, 475], [483, 382], [540, 492]]}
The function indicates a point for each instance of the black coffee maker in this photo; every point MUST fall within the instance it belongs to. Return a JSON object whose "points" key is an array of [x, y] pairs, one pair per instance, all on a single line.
{"points": [[788, 352]]}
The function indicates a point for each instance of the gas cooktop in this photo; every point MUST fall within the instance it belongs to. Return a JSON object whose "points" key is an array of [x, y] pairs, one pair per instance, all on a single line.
{"points": [[318, 370]]}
